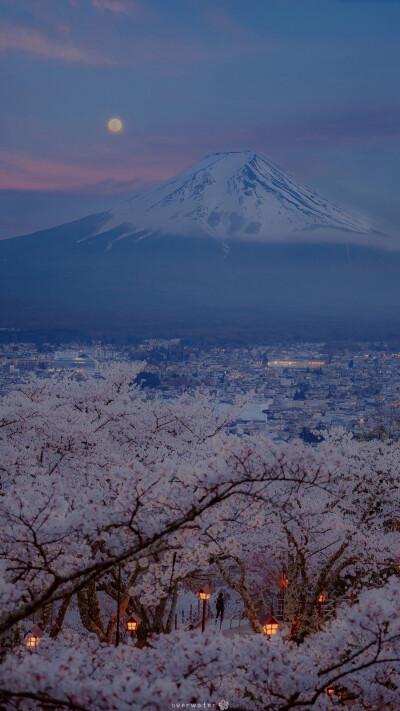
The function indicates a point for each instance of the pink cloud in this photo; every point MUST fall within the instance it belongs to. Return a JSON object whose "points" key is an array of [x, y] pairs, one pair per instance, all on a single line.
{"points": [[22, 171], [222, 22], [13, 38], [122, 7], [142, 159]]}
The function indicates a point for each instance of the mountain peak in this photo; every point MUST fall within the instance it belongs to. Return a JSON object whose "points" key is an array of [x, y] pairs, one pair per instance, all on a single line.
{"points": [[239, 195], [226, 163]]}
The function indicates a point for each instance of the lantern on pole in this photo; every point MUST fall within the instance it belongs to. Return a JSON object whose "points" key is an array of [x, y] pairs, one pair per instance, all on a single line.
{"points": [[132, 624], [269, 624], [321, 600], [204, 594], [33, 637]]}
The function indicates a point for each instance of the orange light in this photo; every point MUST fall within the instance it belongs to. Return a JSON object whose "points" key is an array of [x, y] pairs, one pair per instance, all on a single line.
{"points": [[32, 641], [330, 691], [204, 595], [33, 637], [132, 623], [322, 598], [205, 592], [283, 583], [271, 628], [269, 624]]}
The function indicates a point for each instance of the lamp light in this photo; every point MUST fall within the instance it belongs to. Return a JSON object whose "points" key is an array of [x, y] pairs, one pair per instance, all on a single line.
{"points": [[269, 624], [204, 594], [33, 637], [132, 624]]}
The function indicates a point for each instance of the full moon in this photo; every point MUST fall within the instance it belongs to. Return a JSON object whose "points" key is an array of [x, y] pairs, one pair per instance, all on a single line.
{"points": [[115, 125]]}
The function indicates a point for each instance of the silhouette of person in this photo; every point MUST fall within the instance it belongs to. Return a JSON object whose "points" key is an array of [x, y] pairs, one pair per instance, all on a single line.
{"points": [[220, 607]]}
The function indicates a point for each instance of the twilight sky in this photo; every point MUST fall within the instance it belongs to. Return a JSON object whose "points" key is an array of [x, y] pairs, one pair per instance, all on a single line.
{"points": [[311, 84]]}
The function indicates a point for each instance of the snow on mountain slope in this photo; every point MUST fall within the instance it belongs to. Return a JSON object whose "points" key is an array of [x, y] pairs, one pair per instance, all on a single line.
{"points": [[239, 196]]}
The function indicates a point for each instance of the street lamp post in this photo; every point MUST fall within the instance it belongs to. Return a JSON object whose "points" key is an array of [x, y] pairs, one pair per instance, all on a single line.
{"points": [[204, 594], [321, 600]]}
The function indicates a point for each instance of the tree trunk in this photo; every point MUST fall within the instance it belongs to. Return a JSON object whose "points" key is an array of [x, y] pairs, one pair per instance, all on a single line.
{"points": [[56, 628], [45, 616], [159, 613], [241, 588], [86, 618], [308, 622], [94, 606], [113, 620], [171, 615], [9, 640]]}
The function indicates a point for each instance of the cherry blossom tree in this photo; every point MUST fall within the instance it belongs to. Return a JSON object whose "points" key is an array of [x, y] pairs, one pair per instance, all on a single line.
{"points": [[336, 535], [97, 477], [357, 657], [108, 493]]}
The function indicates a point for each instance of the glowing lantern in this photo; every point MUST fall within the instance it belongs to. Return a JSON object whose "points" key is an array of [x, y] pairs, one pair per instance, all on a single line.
{"points": [[269, 624], [33, 637], [32, 641], [330, 691], [132, 624], [321, 600], [204, 594]]}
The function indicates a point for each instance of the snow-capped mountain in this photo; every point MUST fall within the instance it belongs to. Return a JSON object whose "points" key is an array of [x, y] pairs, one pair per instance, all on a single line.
{"points": [[238, 196], [230, 247]]}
